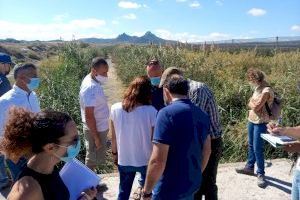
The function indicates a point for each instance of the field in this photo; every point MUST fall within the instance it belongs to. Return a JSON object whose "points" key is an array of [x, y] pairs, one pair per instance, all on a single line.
{"points": [[224, 72]]}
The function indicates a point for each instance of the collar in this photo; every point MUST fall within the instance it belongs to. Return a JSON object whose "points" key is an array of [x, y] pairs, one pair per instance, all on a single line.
{"points": [[20, 91], [184, 100]]}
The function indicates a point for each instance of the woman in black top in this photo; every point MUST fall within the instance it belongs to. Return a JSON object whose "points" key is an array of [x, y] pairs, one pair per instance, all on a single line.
{"points": [[46, 138]]}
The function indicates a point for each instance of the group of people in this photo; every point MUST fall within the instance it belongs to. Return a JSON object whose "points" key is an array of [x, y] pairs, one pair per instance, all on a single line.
{"points": [[166, 129]]}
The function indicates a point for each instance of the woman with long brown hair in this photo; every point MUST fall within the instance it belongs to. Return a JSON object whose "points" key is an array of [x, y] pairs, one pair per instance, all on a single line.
{"points": [[132, 124]]}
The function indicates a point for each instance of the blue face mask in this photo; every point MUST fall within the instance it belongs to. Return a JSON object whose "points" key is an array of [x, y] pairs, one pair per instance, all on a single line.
{"points": [[34, 84], [72, 152], [155, 81]]}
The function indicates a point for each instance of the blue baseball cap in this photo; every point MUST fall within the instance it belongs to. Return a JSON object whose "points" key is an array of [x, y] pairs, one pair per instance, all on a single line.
{"points": [[4, 58]]}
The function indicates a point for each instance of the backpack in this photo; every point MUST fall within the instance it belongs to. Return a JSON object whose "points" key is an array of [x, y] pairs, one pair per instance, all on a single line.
{"points": [[275, 111]]}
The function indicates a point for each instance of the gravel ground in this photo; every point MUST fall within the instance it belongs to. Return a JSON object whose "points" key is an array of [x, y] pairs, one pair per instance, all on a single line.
{"points": [[233, 186]]}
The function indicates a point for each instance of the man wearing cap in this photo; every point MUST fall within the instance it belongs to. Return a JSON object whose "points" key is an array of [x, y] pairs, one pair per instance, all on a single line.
{"points": [[5, 64], [21, 95], [154, 72], [201, 95]]}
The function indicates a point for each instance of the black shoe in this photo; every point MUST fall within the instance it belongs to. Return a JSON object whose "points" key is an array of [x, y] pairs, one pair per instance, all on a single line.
{"points": [[261, 182], [245, 170]]}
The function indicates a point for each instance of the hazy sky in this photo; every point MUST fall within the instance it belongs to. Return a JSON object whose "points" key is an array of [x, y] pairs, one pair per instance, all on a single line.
{"points": [[184, 20]]}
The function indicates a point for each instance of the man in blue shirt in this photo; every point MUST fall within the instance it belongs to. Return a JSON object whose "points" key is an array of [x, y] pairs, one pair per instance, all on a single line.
{"points": [[5, 64], [181, 146]]}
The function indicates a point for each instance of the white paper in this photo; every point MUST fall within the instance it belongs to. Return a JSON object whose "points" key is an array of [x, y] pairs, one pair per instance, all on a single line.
{"points": [[78, 177]]}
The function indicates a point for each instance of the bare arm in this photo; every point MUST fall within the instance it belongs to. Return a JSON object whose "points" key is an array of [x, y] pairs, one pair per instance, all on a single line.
{"points": [[206, 153], [26, 189], [114, 148], [91, 124], [293, 132], [156, 165], [292, 148], [257, 105]]}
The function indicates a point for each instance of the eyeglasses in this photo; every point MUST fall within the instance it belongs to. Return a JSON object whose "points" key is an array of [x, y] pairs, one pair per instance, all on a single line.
{"points": [[74, 142]]}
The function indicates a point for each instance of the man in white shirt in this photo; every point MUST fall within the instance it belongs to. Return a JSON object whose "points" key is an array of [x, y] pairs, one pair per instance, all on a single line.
{"points": [[21, 95], [95, 113]]}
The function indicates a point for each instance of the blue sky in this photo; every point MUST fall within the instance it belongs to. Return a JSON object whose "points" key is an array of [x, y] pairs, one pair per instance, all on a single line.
{"points": [[184, 20]]}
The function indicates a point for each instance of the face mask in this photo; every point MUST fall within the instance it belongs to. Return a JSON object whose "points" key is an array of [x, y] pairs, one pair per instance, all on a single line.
{"points": [[155, 81], [72, 152], [101, 79], [34, 84]]}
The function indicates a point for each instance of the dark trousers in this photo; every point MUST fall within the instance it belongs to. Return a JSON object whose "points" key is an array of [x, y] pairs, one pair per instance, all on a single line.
{"points": [[209, 187]]}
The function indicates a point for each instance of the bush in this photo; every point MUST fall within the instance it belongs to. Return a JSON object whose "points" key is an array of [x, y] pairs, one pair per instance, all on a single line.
{"points": [[224, 72], [61, 79]]}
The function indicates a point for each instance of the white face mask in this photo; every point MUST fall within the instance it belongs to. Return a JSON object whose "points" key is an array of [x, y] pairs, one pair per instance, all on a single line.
{"points": [[101, 79]]}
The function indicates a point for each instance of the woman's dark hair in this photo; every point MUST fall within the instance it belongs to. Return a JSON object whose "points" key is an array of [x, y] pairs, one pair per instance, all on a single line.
{"points": [[26, 132], [138, 91]]}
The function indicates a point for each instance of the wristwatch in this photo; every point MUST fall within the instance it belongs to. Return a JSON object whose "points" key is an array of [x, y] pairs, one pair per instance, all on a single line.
{"points": [[146, 195]]}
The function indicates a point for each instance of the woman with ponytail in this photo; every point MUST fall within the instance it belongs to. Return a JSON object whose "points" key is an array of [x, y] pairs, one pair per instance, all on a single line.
{"points": [[45, 138]]}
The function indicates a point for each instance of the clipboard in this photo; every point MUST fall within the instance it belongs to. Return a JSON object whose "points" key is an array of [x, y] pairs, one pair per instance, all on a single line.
{"points": [[78, 177], [278, 141]]}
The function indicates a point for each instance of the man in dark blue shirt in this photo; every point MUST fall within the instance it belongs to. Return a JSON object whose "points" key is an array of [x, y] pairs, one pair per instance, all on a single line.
{"points": [[5, 64], [154, 72], [181, 146]]}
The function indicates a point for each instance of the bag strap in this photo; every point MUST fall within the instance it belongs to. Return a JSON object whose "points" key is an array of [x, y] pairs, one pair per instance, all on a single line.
{"points": [[268, 109]]}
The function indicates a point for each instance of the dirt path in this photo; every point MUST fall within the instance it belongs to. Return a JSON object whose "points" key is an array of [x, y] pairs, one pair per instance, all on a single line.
{"points": [[114, 88], [233, 186]]}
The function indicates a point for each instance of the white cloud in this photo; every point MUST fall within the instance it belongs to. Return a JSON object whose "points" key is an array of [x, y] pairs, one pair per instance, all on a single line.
{"points": [[129, 5], [79, 28], [257, 12], [115, 22], [130, 16], [139, 34], [295, 28], [181, 0], [195, 4], [61, 17], [188, 37], [220, 2]]}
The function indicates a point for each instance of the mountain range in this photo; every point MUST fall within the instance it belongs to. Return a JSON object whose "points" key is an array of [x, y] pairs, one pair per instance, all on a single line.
{"points": [[150, 38], [147, 38]]}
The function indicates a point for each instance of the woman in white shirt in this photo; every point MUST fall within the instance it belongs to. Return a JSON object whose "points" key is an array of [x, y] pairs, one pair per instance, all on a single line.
{"points": [[132, 124]]}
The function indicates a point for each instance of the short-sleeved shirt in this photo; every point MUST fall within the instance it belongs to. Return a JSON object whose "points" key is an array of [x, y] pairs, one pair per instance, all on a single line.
{"points": [[4, 84], [17, 97], [261, 116], [158, 98], [202, 96], [92, 95], [133, 132], [184, 127]]}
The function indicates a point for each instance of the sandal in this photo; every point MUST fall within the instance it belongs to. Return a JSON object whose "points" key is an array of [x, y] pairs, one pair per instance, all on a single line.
{"points": [[137, 195]]}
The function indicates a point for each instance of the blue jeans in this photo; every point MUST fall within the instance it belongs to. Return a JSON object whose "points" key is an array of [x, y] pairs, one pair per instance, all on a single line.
{"points": [[3, 174], [256, 147], [296, 185], [16, 168], [127, 175]]}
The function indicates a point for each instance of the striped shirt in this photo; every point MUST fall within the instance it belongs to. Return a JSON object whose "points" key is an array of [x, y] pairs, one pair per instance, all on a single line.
{"points": [[203, 97]]}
